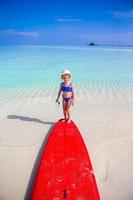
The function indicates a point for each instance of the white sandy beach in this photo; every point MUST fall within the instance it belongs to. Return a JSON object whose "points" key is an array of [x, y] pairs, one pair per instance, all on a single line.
{"points": [[105, 119]]}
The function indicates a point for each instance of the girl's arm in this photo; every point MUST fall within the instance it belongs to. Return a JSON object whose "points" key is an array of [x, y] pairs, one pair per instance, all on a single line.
{"points": [[59, 93], [73, 94]]}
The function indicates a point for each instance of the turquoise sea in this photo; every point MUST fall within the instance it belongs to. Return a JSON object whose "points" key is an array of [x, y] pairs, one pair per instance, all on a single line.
{"points": [[37, 68]]}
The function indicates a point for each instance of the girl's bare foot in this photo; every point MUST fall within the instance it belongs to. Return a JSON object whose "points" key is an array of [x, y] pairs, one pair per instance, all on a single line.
{"points": [[68, 121], [63, 120]]}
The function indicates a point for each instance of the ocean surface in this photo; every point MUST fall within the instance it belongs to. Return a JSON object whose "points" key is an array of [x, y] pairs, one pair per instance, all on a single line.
{"points": [[34, 71]]}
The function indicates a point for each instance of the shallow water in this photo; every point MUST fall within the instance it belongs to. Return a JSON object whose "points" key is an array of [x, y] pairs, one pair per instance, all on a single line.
{"points": [[29, 71]]}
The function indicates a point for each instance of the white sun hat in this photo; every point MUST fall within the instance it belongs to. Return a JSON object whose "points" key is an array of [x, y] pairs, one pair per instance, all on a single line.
{"points": [[66, 72]]}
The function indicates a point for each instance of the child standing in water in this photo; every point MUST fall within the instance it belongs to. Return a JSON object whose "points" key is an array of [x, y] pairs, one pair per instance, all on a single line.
{"points": [[67, 90]]}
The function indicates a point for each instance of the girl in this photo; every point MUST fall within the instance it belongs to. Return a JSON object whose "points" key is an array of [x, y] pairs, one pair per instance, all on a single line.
{"points": [[67, 90]]}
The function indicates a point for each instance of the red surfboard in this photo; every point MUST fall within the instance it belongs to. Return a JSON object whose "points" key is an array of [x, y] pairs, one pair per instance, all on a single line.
{"points": [[65, 170]]}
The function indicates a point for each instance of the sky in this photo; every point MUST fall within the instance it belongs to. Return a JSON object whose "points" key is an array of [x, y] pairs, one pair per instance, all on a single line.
{"points": [[66, 22]]}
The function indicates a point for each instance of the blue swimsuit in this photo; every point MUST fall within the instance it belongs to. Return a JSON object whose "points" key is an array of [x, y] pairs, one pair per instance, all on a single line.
{"points": [[66, 89]]}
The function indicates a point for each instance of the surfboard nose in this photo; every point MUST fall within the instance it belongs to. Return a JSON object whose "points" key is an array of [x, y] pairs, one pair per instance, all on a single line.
{"points": [[65, 170]]}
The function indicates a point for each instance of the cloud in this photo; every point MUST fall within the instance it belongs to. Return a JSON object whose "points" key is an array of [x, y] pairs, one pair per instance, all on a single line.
{"points": [[116, 38], [68, 20], [19, 33], [106, 37], [122, 14]]}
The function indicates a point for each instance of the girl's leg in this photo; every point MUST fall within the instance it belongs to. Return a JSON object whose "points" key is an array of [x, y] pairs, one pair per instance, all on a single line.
{"points": [[64, 105], [68, 110]]}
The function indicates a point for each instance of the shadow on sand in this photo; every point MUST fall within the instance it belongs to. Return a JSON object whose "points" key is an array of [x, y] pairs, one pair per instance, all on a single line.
{"points": [[30, 119], [36, 165], [38, 158]]}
